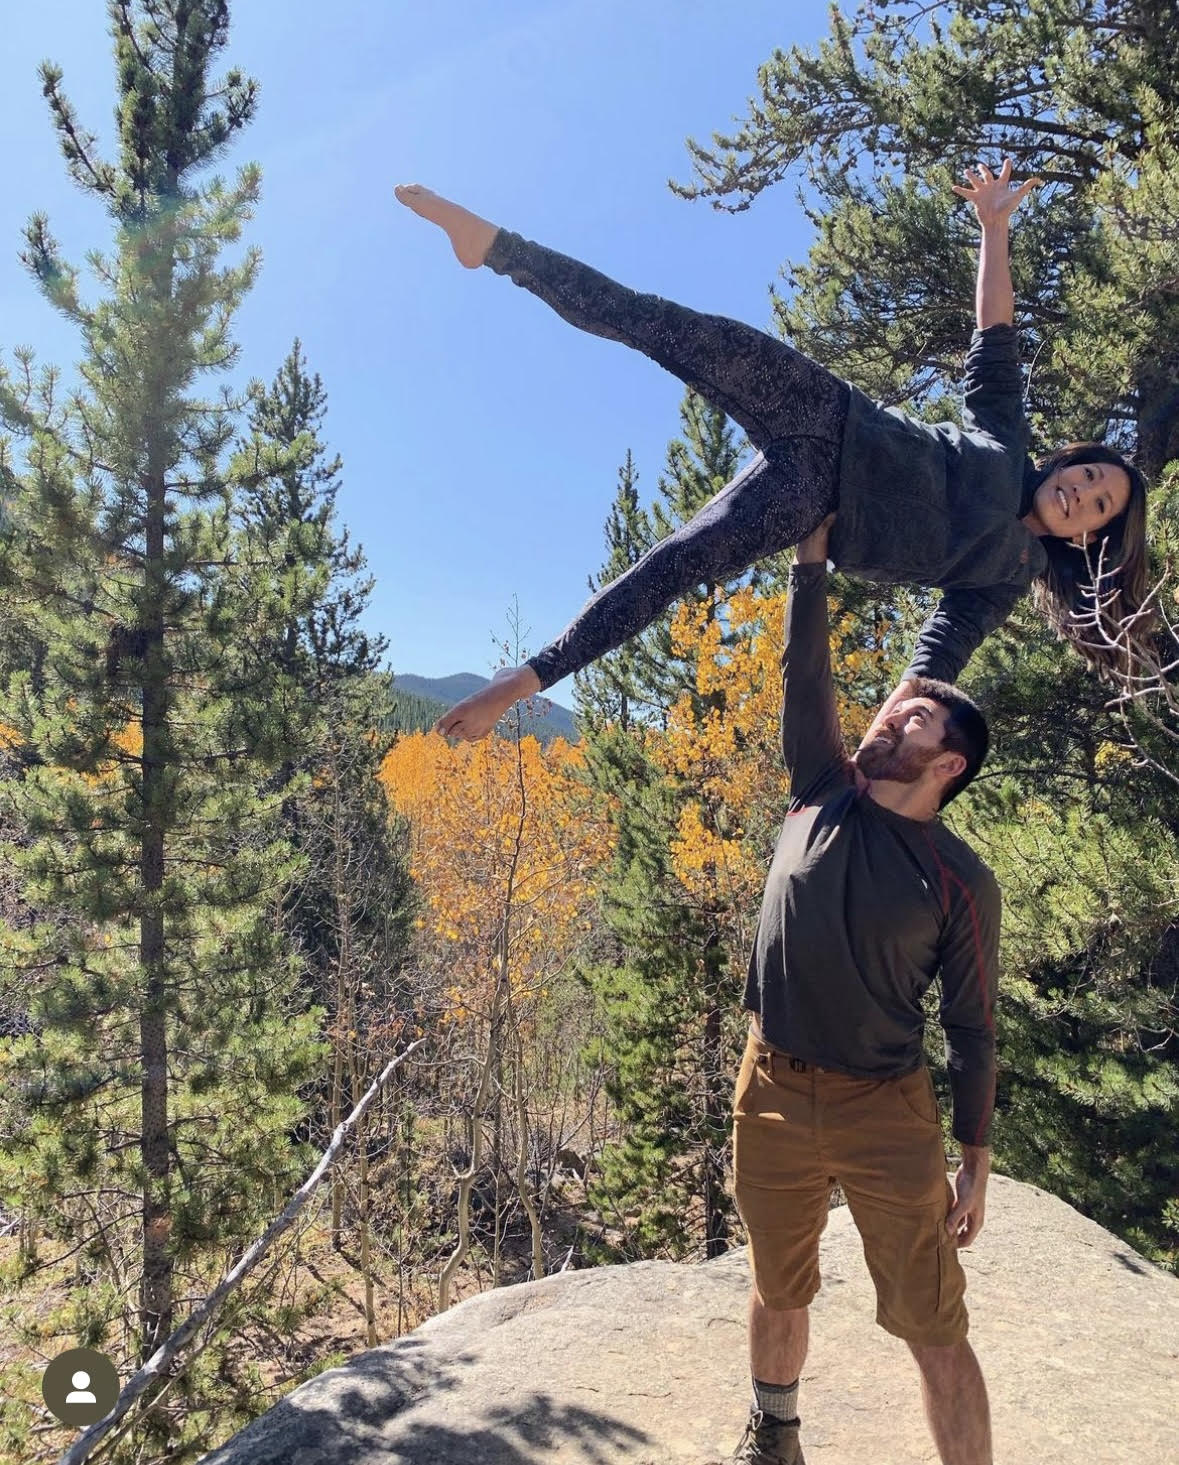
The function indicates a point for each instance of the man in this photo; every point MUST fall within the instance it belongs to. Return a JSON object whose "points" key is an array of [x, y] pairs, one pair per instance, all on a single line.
{"points": [[868, 899]]}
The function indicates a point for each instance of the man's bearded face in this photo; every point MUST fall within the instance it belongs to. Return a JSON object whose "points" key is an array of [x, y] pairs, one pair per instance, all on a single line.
{"points": [[893, 756]]}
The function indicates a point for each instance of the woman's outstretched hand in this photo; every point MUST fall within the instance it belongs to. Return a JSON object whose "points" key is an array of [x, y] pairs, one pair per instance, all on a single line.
{"points": [[475, 716], [994, 198]]}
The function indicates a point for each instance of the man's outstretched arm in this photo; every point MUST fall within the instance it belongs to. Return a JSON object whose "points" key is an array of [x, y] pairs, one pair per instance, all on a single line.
{"points": [[812, 741]]}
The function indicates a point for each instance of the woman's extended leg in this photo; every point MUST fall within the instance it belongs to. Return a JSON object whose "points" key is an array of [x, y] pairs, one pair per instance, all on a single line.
{"points": [[792, 409], [763, 384]]}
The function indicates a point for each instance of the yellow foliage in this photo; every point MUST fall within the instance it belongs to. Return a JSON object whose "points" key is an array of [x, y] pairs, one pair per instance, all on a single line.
{"points": [[498, 834], [1111, 755], [723, 745]]}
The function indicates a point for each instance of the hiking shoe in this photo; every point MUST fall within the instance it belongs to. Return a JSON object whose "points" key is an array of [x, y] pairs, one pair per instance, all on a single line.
{"points": [[768, 1441]]}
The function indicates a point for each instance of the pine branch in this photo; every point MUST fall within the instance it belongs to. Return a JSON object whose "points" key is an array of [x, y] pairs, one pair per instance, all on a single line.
{"points": [[126, 25], [76, 144]]}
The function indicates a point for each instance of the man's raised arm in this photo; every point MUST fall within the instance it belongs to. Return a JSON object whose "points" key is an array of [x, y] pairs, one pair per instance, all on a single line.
{"points": [[812, 741]]}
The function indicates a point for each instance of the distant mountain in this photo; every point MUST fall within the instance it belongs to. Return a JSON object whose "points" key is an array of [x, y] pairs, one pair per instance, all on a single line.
{"points": [[412, 713], [441, 689], [556, 722]]}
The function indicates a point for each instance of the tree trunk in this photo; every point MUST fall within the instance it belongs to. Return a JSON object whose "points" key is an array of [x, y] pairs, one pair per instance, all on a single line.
{"points": [[366, 1256], [337, 1109], [497, 1121], [366, 1262], [343, 1006], [155, 1293], [467, 1179], [716, 1227], [526, 1198]]}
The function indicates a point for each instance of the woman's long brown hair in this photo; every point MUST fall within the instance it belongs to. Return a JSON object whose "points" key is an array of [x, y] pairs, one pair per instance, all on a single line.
{"points": [[1103, 621]]}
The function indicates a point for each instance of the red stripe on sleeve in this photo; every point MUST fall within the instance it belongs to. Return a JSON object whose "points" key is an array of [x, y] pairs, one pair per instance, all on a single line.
{"points": [[980, 972]]}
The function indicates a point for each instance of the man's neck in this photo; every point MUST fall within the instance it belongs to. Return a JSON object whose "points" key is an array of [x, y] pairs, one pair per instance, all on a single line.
{"points": [[909, 800]]}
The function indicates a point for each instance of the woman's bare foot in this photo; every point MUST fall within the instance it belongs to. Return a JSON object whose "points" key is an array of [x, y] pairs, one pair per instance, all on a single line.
{"points": [[475, 716], [470, 236]]}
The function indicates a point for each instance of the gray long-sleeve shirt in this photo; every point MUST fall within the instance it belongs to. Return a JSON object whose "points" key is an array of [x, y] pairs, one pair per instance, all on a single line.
{"points": [[935, 504], [863, 907]]}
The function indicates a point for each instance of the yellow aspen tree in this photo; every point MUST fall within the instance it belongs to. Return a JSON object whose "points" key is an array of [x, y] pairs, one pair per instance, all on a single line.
{"points": [[504, 844]]}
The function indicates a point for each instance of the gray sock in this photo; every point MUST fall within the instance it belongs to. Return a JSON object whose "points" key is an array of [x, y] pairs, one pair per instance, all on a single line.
{"points": [[778, 1401]]}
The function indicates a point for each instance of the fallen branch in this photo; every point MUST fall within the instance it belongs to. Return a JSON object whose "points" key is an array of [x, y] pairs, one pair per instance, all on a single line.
{"points": [[85, 1444]]}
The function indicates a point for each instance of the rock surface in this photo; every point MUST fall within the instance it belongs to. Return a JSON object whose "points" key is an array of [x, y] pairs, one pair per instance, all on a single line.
{"points": [[1078, 1337]]}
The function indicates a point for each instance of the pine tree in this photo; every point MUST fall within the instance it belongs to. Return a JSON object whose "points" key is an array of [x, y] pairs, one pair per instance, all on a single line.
{"points": [[312, 635], [606, 692], [153, 1098], [886, 114], [665, 986], [291, 513], [1084, 839]]}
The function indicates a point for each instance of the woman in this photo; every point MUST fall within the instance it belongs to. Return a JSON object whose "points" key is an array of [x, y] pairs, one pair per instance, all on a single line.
{"points": [[964, 509]]}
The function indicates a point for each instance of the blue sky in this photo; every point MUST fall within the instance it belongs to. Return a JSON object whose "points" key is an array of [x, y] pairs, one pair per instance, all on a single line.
{"points": [[481, 435]]}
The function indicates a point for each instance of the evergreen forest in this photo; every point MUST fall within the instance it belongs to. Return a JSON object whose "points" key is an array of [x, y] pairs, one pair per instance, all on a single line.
{"points": [[253, 910]]}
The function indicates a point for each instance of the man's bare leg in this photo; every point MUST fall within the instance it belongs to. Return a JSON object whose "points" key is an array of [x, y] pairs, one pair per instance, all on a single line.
{"points": [[475, 716], [956, 1406], [470, 236], [777, 1341]]}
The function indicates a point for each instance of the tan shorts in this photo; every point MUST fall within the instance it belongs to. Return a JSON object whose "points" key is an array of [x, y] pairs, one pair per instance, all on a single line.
{"points": [[797, 1131]]}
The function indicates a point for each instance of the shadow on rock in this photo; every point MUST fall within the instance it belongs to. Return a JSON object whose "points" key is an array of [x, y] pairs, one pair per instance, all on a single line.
{"points": [[361, 1414], [513, 1436]]}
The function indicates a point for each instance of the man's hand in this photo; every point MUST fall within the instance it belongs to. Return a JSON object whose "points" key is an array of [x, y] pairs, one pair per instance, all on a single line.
{"points": [[813, 549], [965, 1219]]}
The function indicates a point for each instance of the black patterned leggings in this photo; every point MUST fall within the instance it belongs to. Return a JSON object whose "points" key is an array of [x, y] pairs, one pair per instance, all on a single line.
{"points": [[792, 410]]}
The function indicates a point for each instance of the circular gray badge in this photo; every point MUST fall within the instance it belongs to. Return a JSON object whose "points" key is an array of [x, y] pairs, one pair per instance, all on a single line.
{"points": [[80, 1386]]}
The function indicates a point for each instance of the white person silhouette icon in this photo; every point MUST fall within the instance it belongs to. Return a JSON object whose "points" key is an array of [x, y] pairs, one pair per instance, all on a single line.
{"points": [[80, 1394]]}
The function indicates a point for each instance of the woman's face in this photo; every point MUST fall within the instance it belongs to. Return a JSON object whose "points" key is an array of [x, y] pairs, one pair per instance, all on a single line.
{"points": [[1075, 501]]}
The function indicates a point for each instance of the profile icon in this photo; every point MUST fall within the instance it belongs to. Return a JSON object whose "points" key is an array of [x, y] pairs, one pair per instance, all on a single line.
{"points": [[80, 1393], [80, 1386]]}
